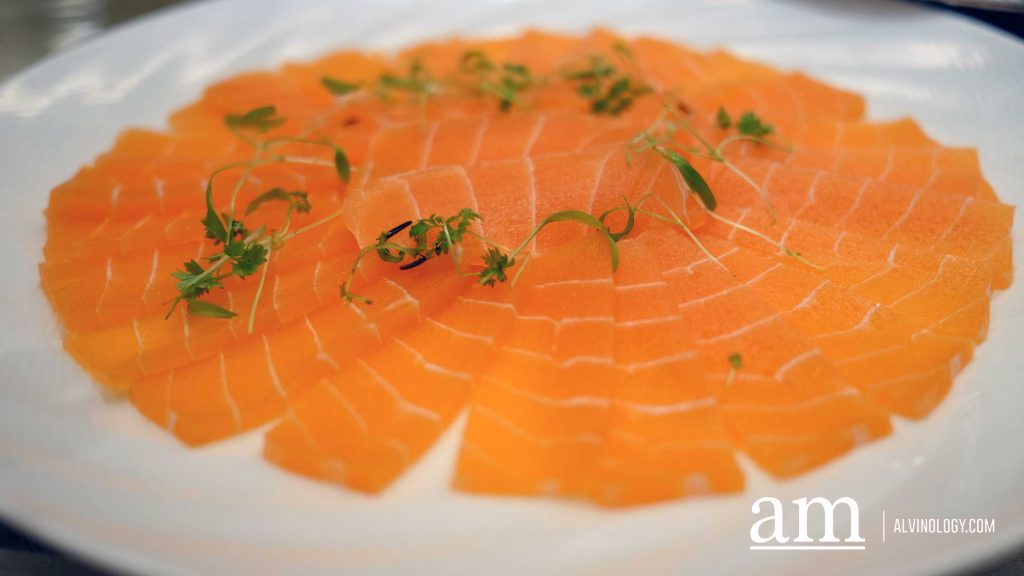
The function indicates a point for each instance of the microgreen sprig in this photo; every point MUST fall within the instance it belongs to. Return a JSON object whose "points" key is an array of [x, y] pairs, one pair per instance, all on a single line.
{"points": [[608, 91], [505, 81], [735, 364], [245, 252], [660, 139], [435, 236], [431, 237], [750, 127]]}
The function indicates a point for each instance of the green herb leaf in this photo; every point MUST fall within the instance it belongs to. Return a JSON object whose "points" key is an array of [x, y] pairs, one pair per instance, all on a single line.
{"points": [[692, 178], [723, 119], [587, 219], [275, 195], [260, 120], [384, 251], [194, 281], [630, 220], [341, 165], [298, 201], [475, 62], [215, 229], [599, 68], [339, 87], [609, 94], [505, 81], [248, 262], [202, 308], [751, 125], [496, 265], [735, 360], [417, 82]]}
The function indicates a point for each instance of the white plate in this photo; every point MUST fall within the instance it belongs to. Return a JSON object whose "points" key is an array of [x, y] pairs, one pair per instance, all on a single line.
{"points": [[94, 477]]}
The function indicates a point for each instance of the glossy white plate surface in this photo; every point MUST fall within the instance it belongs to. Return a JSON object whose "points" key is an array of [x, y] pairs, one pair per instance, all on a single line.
{"points": [[91, 475]]}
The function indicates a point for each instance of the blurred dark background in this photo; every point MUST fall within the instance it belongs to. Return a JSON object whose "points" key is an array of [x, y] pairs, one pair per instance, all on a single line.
{"points": [[32, 29]]}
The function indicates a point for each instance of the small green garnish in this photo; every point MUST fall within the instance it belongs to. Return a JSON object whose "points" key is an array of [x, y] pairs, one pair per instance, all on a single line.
{"points": [[751, 125], [435, 235], [723, 119], [431, 237], [608, 91], [505, 81], [417, 84], [259, 120], [339, 87], [245, 253], [208, 309], [496, 265], [298, 201], [342, 165], [692, 177], [735, 363]]}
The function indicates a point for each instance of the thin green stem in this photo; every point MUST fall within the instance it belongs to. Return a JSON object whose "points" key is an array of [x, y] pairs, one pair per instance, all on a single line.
{"points": [[757, 187], [519, 271], [678, 222], [313, 225], [779, 245], [685, 124], [259, 289], [213, 267]]}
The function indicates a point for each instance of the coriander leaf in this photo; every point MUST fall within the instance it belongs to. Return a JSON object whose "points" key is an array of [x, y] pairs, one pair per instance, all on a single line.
{"points": [[276, 194], [692, 178], [234, 249], [723, 119], [735, 360], [300, 202], [598, 68], [259, 120], [339, 87], [496, 264], [422, 226], [417, 83], [194, 281], [341, 165], [201, 308], [475, 62], [215, 229], [252, 257], [193, 267], [608, 94], [751, 125]]}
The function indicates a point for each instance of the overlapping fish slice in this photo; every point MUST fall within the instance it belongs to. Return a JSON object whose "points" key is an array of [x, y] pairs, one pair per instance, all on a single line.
{"points": [[790, 330]]}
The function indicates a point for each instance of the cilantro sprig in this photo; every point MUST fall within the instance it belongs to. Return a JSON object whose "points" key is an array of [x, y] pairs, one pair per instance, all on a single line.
{"points": [[506, 81], [244, 252], [750, 125], [609, 91], [661, 139], [435, 236]]}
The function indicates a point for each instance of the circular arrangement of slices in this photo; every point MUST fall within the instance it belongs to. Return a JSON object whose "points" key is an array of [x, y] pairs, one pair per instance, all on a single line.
{"points": [[842, 278]]}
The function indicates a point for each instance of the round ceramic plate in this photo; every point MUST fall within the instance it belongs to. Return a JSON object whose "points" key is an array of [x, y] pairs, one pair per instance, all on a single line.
{"points": [[91, 475]]}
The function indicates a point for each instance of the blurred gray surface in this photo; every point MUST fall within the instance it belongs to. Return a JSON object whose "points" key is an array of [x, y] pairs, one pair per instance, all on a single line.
{"points": [[32, 29]]}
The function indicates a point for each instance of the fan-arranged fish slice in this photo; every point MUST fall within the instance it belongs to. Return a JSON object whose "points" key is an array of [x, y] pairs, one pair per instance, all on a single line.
{"points": [[696, 257], [887, 355], [260, 375]]}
